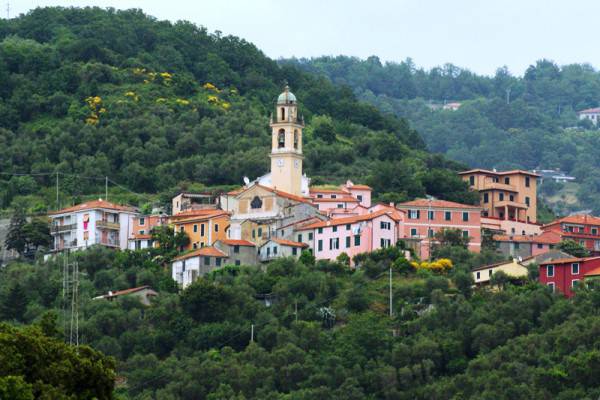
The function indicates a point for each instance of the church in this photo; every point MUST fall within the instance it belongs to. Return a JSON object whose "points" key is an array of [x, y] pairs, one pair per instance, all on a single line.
{"points": [[283, 197]]}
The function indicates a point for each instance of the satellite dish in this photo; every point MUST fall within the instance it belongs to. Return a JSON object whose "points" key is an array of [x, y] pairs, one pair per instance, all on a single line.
{"points": [[246, 180]]}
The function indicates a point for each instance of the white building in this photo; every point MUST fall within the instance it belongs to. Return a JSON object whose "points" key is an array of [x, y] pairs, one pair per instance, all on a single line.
{"points": [[593, 114], [95, 222], [189, 267]]}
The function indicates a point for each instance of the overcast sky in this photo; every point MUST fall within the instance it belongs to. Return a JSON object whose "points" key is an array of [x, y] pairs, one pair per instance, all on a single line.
{"points": [[480, 35]]}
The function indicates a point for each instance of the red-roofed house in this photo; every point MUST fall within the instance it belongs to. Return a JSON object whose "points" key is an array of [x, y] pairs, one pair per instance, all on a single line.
{"points": [[190, 266], [592, 114], [426, 217], [97, 222], [347, 196], [584, 229], [239, 252], [526, 245], [563, 275], [142, 228], [276, 248], [143, 293]]}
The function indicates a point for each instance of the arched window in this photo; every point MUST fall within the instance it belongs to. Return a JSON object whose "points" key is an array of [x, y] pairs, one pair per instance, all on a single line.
{"points": [[296, 139], [282, 114], [256, 203], [281, 139]]}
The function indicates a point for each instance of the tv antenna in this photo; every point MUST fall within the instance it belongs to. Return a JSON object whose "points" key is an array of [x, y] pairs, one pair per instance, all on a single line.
{"points": [[8, 10]]}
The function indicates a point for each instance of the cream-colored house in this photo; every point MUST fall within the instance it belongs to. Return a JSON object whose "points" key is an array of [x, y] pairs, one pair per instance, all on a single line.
{"points": [[513, 268]]}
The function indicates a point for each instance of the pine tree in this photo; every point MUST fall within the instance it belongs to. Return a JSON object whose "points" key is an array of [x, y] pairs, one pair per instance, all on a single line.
{"points": [[14, 303], [16, 238]]}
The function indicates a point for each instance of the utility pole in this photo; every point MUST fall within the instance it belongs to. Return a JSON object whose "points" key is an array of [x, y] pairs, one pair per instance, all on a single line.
{"points": [[8, 10], [391, 295], [252, 333], [507, 95]]}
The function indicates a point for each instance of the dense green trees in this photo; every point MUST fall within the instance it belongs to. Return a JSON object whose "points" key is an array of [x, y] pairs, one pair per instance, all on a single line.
{"points": [[154, 105]]}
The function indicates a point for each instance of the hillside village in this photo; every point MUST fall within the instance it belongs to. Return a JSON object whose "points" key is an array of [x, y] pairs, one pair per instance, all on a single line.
{"points": [[280, 214]]}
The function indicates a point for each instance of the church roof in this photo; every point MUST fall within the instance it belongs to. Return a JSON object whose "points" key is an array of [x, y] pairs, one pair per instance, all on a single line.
{"points": [[286, 97]]}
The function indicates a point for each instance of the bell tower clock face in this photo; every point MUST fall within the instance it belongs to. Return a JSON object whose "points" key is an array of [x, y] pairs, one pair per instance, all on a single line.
{"points": [[280, 162]]}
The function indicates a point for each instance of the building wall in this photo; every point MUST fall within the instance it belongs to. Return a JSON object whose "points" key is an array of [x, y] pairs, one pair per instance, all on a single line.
{"points": [[215, 228], [563, 277], [514, 269], [272, 250], [150, 221], [365, 195], [514, 249], [423, 224], [589, 237], [246, 255], [185, 272]]}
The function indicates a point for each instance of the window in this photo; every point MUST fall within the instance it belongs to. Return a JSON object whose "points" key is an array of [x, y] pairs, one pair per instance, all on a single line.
{"points": [[594, 231], [268, 251], [218, 261], [517, 246], [320, 230], [206, 260], [414, 214], [340, 205], [335, 228], [141, 232], [201, 229], [319, 196], [334, 243], [511, 197], [357, 240], [195, 228], [478, 275], [310, 236], [582, 242], [430, 233], [527, 201], [253, 233], [540, 246], [430, 215], [385, 225], [294, 251], [282, 113], [501, 196], [274, 250], [320, 245], [465, 234], [259, 232], [281, 138], [348, 227], [333, 196], [486, 198], [348, 241], [236, 249], [237, 262], [296, 139], [194, 245], [181, 229], [216, 227], [551, 286], [465, 216], [142, 221], [527, 183], [472, 180], [385, 243], [490, 272], [549, 271], [448, 215], [575, 283], [413, 231], [300, 237], [359, 197], [256, 203], [575, 268], [507, 181]]}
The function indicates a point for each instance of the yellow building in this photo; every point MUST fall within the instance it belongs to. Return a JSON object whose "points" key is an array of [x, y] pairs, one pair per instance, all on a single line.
{"points": [[286, 145], [203, 227], [506, 195], [513, 268]]}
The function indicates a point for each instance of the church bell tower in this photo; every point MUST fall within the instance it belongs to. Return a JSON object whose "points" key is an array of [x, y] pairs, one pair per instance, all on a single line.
{"points": [[286, 145]]}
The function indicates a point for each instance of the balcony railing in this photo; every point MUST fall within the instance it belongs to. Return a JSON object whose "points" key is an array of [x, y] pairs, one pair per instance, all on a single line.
{"points": [[110, 242], [63, 228], [64, 246], [108, 225]]}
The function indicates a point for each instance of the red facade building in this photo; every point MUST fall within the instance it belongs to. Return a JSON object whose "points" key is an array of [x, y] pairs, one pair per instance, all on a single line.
{"points": [[565, 274], [584, 229]]}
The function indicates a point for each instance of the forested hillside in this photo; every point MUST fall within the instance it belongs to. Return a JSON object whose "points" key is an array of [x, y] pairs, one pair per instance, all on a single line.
{"points": [[537, 128], [153, 105]]}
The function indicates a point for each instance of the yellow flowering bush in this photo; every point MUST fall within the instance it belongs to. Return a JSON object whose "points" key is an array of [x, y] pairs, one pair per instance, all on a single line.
{"points": [[132, 95], [182, 102], [440, 265], [225, 105], [213, 99], [210, 86], [95, 105]]}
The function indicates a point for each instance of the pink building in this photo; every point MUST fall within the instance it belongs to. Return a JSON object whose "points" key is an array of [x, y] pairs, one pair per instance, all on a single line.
{"points": [[347, 197], [424, 218], [354, 235]]}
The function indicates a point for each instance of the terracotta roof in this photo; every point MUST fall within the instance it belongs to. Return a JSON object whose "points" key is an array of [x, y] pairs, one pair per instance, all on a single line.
{"points": [[360, 187], [140, 236], [126, 291], [334, 191], [568, 260], [488, 172], [576, 219], [590, 111], [346, 199], [199, 217], [280, 193], [302, 222], [508, 262], [544, 238], [202, 252], [237, 242], [594, 272], [290, 243], [435, 203], [197, 212], [236, 191], [93, 205], [351, 220]]}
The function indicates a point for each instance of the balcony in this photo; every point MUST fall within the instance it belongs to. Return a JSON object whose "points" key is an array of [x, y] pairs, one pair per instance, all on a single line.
{"points": [[62, 228], [110, 242], [508, 203], [70, 244], [108, 225], [499, 186]]}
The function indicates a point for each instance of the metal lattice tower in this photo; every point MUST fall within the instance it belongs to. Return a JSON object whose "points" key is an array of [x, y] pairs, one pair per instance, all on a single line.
{"points": [[70, 300]]}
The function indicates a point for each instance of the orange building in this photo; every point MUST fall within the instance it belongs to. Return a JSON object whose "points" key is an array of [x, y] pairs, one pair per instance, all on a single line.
{"points": [[203, 227], [508, 195]]}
